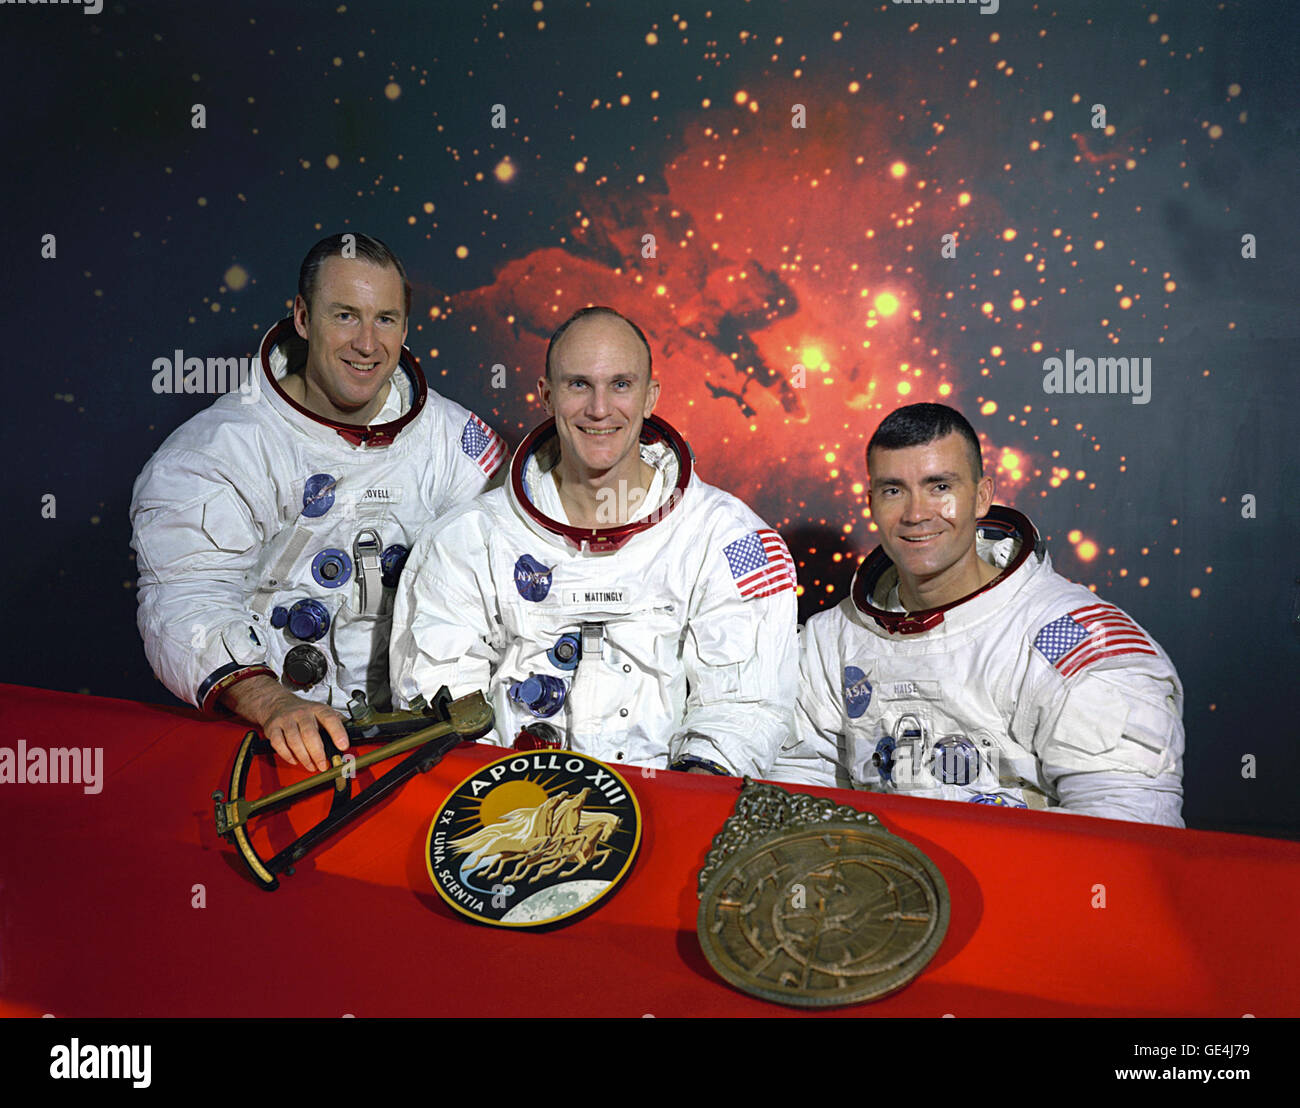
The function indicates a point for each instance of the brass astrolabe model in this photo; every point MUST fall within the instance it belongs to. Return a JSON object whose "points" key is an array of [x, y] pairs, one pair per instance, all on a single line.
{"points": [[813, 904]]}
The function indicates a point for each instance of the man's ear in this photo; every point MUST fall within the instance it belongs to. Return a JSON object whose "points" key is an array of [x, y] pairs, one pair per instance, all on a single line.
{"points": [[983, 497], [652, 396], [544, 394], [300, 316]]}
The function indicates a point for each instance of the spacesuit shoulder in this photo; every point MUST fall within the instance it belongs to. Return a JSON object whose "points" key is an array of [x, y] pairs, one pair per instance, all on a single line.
{"points": [[831, 625], [443, 417], [1050, 595], [824, 639], [1100, 693], [230, 418], [725, 513], [713, 499], [228, 441], [469, 453], [1075, 635]]}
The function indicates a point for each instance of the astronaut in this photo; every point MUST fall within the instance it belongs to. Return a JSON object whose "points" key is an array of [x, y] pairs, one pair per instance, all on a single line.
{"points": [[607, 599], [963, 667], [270, 529]]}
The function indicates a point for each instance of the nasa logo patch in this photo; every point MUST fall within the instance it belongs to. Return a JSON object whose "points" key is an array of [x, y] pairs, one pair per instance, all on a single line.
{"points": [[534, 839], [857, 691], [532, 579], [318, 495]]}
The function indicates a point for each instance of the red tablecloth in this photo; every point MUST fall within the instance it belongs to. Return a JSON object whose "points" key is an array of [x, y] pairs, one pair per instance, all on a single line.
{"points": [[98, 898]]}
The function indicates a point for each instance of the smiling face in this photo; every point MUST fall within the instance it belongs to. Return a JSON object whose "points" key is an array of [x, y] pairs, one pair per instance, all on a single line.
{"points": [[600, 390], [354, 330], [925, 501]]}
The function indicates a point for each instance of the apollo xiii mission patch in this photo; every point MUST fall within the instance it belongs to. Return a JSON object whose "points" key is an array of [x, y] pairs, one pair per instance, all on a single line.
{"points": [[534, 839]]}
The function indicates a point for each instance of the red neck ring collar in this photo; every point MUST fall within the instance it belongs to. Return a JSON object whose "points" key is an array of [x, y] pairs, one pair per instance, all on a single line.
{"points": [[1000, 523], [602, 540]]}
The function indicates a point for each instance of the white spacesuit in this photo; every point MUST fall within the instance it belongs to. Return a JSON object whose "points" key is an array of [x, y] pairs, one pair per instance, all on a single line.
{"points": [[1029, 692], [666, 641], [269, 540]]}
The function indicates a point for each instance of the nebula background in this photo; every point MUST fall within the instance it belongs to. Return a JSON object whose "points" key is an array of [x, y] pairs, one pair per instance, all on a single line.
{"points": [[794, 290]]}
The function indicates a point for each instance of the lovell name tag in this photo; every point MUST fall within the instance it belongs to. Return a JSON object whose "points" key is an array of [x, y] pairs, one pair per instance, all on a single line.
{"points": [[534, 840], [380, 494]]}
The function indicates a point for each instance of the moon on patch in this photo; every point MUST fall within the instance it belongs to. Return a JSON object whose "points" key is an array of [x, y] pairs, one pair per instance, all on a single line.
{"points": [[557, 901]]}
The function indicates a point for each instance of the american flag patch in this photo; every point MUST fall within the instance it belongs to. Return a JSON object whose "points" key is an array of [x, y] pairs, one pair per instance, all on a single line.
{"points": [[483, 444], [760, 564], [1088, 635]]}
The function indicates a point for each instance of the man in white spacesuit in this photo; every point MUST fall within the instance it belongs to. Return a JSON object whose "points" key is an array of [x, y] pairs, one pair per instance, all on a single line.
{"points": [[270, 534], [962, 667], [607, 599]]}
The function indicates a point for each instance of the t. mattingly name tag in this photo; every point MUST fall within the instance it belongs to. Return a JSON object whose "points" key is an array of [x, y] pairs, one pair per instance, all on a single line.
{"points": [[814, 904], [578, 598]]}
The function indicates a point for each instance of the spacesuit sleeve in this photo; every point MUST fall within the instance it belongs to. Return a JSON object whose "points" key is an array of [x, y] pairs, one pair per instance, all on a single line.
{"points": [[1123, 796], [1110, 737], [195, 535], [811, 754], [476, 455], [445, 625], [740, 656]]}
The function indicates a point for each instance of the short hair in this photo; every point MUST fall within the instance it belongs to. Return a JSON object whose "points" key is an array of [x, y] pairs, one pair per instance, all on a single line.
{"points": [[368, 249], [598, 309], [918, 424]]}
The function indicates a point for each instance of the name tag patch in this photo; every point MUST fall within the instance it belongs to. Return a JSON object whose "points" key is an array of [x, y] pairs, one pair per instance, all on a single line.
{"points": [[580, 597], [909, 690], [381, 494]]}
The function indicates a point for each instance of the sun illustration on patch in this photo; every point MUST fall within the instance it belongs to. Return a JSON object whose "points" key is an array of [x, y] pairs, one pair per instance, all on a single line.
{"points": [[534, 839], [510, 797]]}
